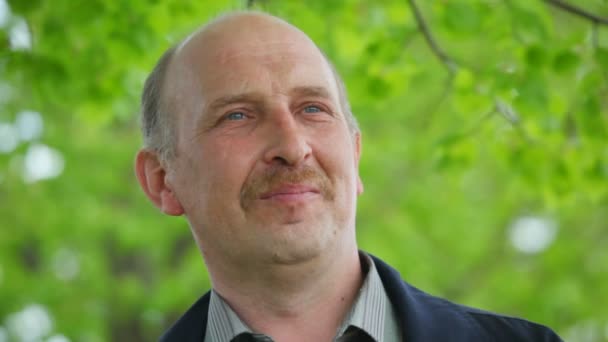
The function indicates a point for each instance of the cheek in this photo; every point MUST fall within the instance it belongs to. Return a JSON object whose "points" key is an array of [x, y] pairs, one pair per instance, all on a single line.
{"points": [[227, 168], [338, 154]]}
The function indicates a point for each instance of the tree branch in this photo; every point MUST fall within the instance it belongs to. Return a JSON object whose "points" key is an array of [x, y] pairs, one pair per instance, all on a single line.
{"points": [[563, 5], [435, 104], [508, 113], [595, 36], [428, 36]]}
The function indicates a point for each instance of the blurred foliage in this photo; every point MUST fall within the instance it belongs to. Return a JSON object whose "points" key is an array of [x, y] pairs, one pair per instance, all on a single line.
{"points": [[451, 159]]}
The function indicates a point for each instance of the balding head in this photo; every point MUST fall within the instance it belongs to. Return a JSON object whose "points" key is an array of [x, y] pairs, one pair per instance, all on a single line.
{"points": [[168, 89]]}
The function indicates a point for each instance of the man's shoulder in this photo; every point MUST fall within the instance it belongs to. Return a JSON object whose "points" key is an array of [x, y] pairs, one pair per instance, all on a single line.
{"points": [[191, 325], [510, 328], [425, 317]]}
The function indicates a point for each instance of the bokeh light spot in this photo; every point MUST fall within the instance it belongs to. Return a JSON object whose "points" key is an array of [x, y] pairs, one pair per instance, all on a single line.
{"points": [[532, 234], [42, 162]]}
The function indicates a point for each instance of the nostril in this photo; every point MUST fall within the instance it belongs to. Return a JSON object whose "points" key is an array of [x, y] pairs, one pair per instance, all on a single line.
{"points": [[280, 160]]}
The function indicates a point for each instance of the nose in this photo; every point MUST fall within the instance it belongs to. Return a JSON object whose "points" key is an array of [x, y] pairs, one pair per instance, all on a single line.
{"points": [[287, 142]]}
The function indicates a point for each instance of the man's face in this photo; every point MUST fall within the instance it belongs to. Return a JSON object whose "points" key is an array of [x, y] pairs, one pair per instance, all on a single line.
{"points": [[266, 167]]}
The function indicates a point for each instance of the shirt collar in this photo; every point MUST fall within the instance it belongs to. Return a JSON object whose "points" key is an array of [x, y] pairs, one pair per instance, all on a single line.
{"points": [[369, 309], [367, 313], [223, 323]]}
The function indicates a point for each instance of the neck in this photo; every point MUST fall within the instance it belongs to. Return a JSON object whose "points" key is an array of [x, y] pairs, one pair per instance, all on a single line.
{"points": [[306, 301]]}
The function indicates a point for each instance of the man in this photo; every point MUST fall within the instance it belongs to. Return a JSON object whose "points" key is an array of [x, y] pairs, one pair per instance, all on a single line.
{"points": [[249, 135]]}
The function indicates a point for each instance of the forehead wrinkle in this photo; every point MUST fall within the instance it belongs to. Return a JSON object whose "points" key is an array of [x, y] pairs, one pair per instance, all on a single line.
{"points": [[226, 100], [273, 51], [311, 91]]}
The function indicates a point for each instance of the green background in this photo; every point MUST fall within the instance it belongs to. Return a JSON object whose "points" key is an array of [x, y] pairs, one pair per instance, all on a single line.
{"points": [[507, 141]]}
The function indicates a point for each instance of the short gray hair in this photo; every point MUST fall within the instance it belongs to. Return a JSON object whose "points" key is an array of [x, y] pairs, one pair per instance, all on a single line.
{"points": [[351, 120], [158, 127]]}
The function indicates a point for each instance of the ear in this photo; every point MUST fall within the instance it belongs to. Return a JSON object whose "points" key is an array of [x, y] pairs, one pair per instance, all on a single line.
{"points": [[152, 178], [357, 158]]}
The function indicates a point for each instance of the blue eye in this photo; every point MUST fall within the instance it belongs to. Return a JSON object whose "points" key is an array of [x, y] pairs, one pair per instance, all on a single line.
{"points": [[312, 109], [234, 116]]}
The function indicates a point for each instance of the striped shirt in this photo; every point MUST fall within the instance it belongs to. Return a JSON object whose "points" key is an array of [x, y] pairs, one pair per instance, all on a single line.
{"points": [[371, 318]]}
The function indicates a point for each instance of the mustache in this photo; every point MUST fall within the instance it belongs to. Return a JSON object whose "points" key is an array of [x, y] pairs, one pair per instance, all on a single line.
{"points": [[277, 176]]}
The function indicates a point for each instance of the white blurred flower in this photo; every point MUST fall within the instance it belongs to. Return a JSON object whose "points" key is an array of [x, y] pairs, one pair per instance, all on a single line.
{"points": [[30, 324], [42, 162], [19, 35], [3, 332], [58, 338], [66, 264], [29, 125], [532, 234], [5, 16], [9, 138]]}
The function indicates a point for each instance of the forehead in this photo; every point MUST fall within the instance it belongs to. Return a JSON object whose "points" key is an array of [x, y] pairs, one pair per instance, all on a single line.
{"points": [[250, 56], [272, 67]]}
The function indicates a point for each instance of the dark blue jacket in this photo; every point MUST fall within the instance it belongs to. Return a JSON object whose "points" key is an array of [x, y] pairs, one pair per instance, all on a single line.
{"points": [[422, 318]]}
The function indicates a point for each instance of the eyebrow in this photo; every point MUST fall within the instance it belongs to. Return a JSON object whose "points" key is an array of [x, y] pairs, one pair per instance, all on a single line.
{"points": [[311, 91], [236, 98], [255, 97]]}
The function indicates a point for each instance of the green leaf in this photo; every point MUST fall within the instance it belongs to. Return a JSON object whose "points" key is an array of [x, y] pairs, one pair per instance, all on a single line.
{"points": [[528, 24], [378, 87], [565, 61], [23, 7], [461, 17], [601, 57], [536, 56]]}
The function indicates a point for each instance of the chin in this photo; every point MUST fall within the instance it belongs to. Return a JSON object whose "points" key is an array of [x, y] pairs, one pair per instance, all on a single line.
{"points": [[293, 256], [298, 243]]}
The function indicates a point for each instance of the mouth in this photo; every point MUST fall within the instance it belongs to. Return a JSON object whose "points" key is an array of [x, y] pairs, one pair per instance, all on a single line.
{"points": [[289, 192]]}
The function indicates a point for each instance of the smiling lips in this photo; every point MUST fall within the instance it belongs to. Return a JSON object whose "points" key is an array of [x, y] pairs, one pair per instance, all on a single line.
{"points": [[287, 192]]}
